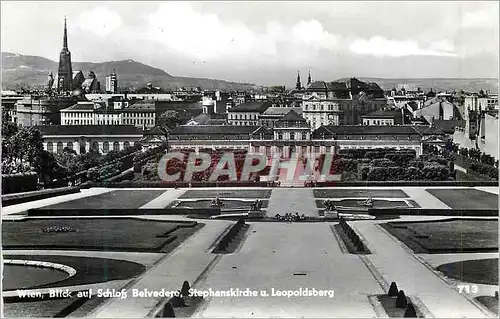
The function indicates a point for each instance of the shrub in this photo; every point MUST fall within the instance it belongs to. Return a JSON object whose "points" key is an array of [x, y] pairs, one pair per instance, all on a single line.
{"points": [[377, 174], [382, 162], [185, 289], [393, 290], [363, 172], [400, 158], [435, 173], [485, 169], [401, 301], [410, 312], [168, 311]]}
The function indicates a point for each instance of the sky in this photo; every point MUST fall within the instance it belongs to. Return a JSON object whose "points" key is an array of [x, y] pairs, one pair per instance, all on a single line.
{"points": [[266, 42]]}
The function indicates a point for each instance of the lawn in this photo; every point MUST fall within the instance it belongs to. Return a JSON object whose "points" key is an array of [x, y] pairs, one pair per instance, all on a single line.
{"points": [[231, 193], [466, 198], [343, 193], [36, 309], [130, 199], [23, 277], [89, 270], [108, 234], [447, 236], [490, 302], [481, 271], [228, 204]]}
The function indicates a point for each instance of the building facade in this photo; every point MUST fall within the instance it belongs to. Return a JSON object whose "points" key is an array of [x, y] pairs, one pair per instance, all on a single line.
{"points": [[112, 83], [385, 117], [246, 113], [340, 103], [82, 139], [112, 112], [273, 114], [41, 110], [326, 139]]}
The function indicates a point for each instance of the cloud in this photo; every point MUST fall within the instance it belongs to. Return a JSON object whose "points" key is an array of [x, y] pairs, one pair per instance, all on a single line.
{"points": [[480, 19], [205, 36], [100, 21], [381, 47]]}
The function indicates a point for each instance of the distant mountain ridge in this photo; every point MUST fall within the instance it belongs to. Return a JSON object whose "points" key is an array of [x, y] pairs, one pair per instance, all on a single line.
{"points": [[32, 71], [436, 84]]}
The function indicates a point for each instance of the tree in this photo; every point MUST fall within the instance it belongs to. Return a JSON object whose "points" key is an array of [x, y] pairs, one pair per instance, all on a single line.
{"points": [[169, 119], [8, 128]]}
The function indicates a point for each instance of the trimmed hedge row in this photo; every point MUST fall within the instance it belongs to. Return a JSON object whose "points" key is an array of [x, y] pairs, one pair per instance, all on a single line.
{"points": [[122, 211], [17, 183], [162, 184], [223, 244], [124, 176], [401, 183], [432, 211], [13, 199]]}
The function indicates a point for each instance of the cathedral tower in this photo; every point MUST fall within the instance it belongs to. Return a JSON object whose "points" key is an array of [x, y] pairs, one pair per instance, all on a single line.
{"points": [[298, 85], [65, 72]]}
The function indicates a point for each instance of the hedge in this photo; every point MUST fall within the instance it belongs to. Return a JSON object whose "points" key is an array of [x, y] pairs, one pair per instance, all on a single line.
{"points": [[162, 184], [13, 199], [102, 173], [402, 183], [124, 176], [17, 183], [485, 169], [432, 212], [122, 211]]}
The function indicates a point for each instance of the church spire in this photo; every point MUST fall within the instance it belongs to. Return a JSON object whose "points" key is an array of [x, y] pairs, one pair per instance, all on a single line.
{"points": [[65, 72], [298, 86], [65, 38], [309, 78]]}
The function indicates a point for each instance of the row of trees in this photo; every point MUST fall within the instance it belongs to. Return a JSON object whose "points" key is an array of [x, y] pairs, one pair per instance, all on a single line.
{"points": [[478, 156], [484, 169]]}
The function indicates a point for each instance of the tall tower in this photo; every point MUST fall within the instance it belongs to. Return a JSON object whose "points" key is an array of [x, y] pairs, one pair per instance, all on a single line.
{"points": [[298, 86], [309, 79], [65, 72], [112, 83]]}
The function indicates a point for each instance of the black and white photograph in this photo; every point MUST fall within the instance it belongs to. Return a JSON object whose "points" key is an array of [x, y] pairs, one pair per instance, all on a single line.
{"points": [[249, 159]]}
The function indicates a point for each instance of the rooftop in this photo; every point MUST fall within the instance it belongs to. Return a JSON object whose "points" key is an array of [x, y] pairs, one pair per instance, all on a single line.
{"points": [[250, 107], [448, 126], [282, 110], [80, 106], [292, 116], [79, 130], [383, 114], [213, 129], [378, 130]]}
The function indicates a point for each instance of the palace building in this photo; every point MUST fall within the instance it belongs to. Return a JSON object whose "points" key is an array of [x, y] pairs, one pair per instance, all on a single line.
{"points": [[83, 138], [292, 136]]}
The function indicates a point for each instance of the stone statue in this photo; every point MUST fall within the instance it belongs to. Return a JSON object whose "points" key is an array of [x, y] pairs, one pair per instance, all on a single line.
{"points": [[368, 202]]}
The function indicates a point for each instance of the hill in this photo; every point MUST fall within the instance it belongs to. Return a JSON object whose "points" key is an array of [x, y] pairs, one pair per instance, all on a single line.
{"points": [[436, 84], [31, 71]]}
